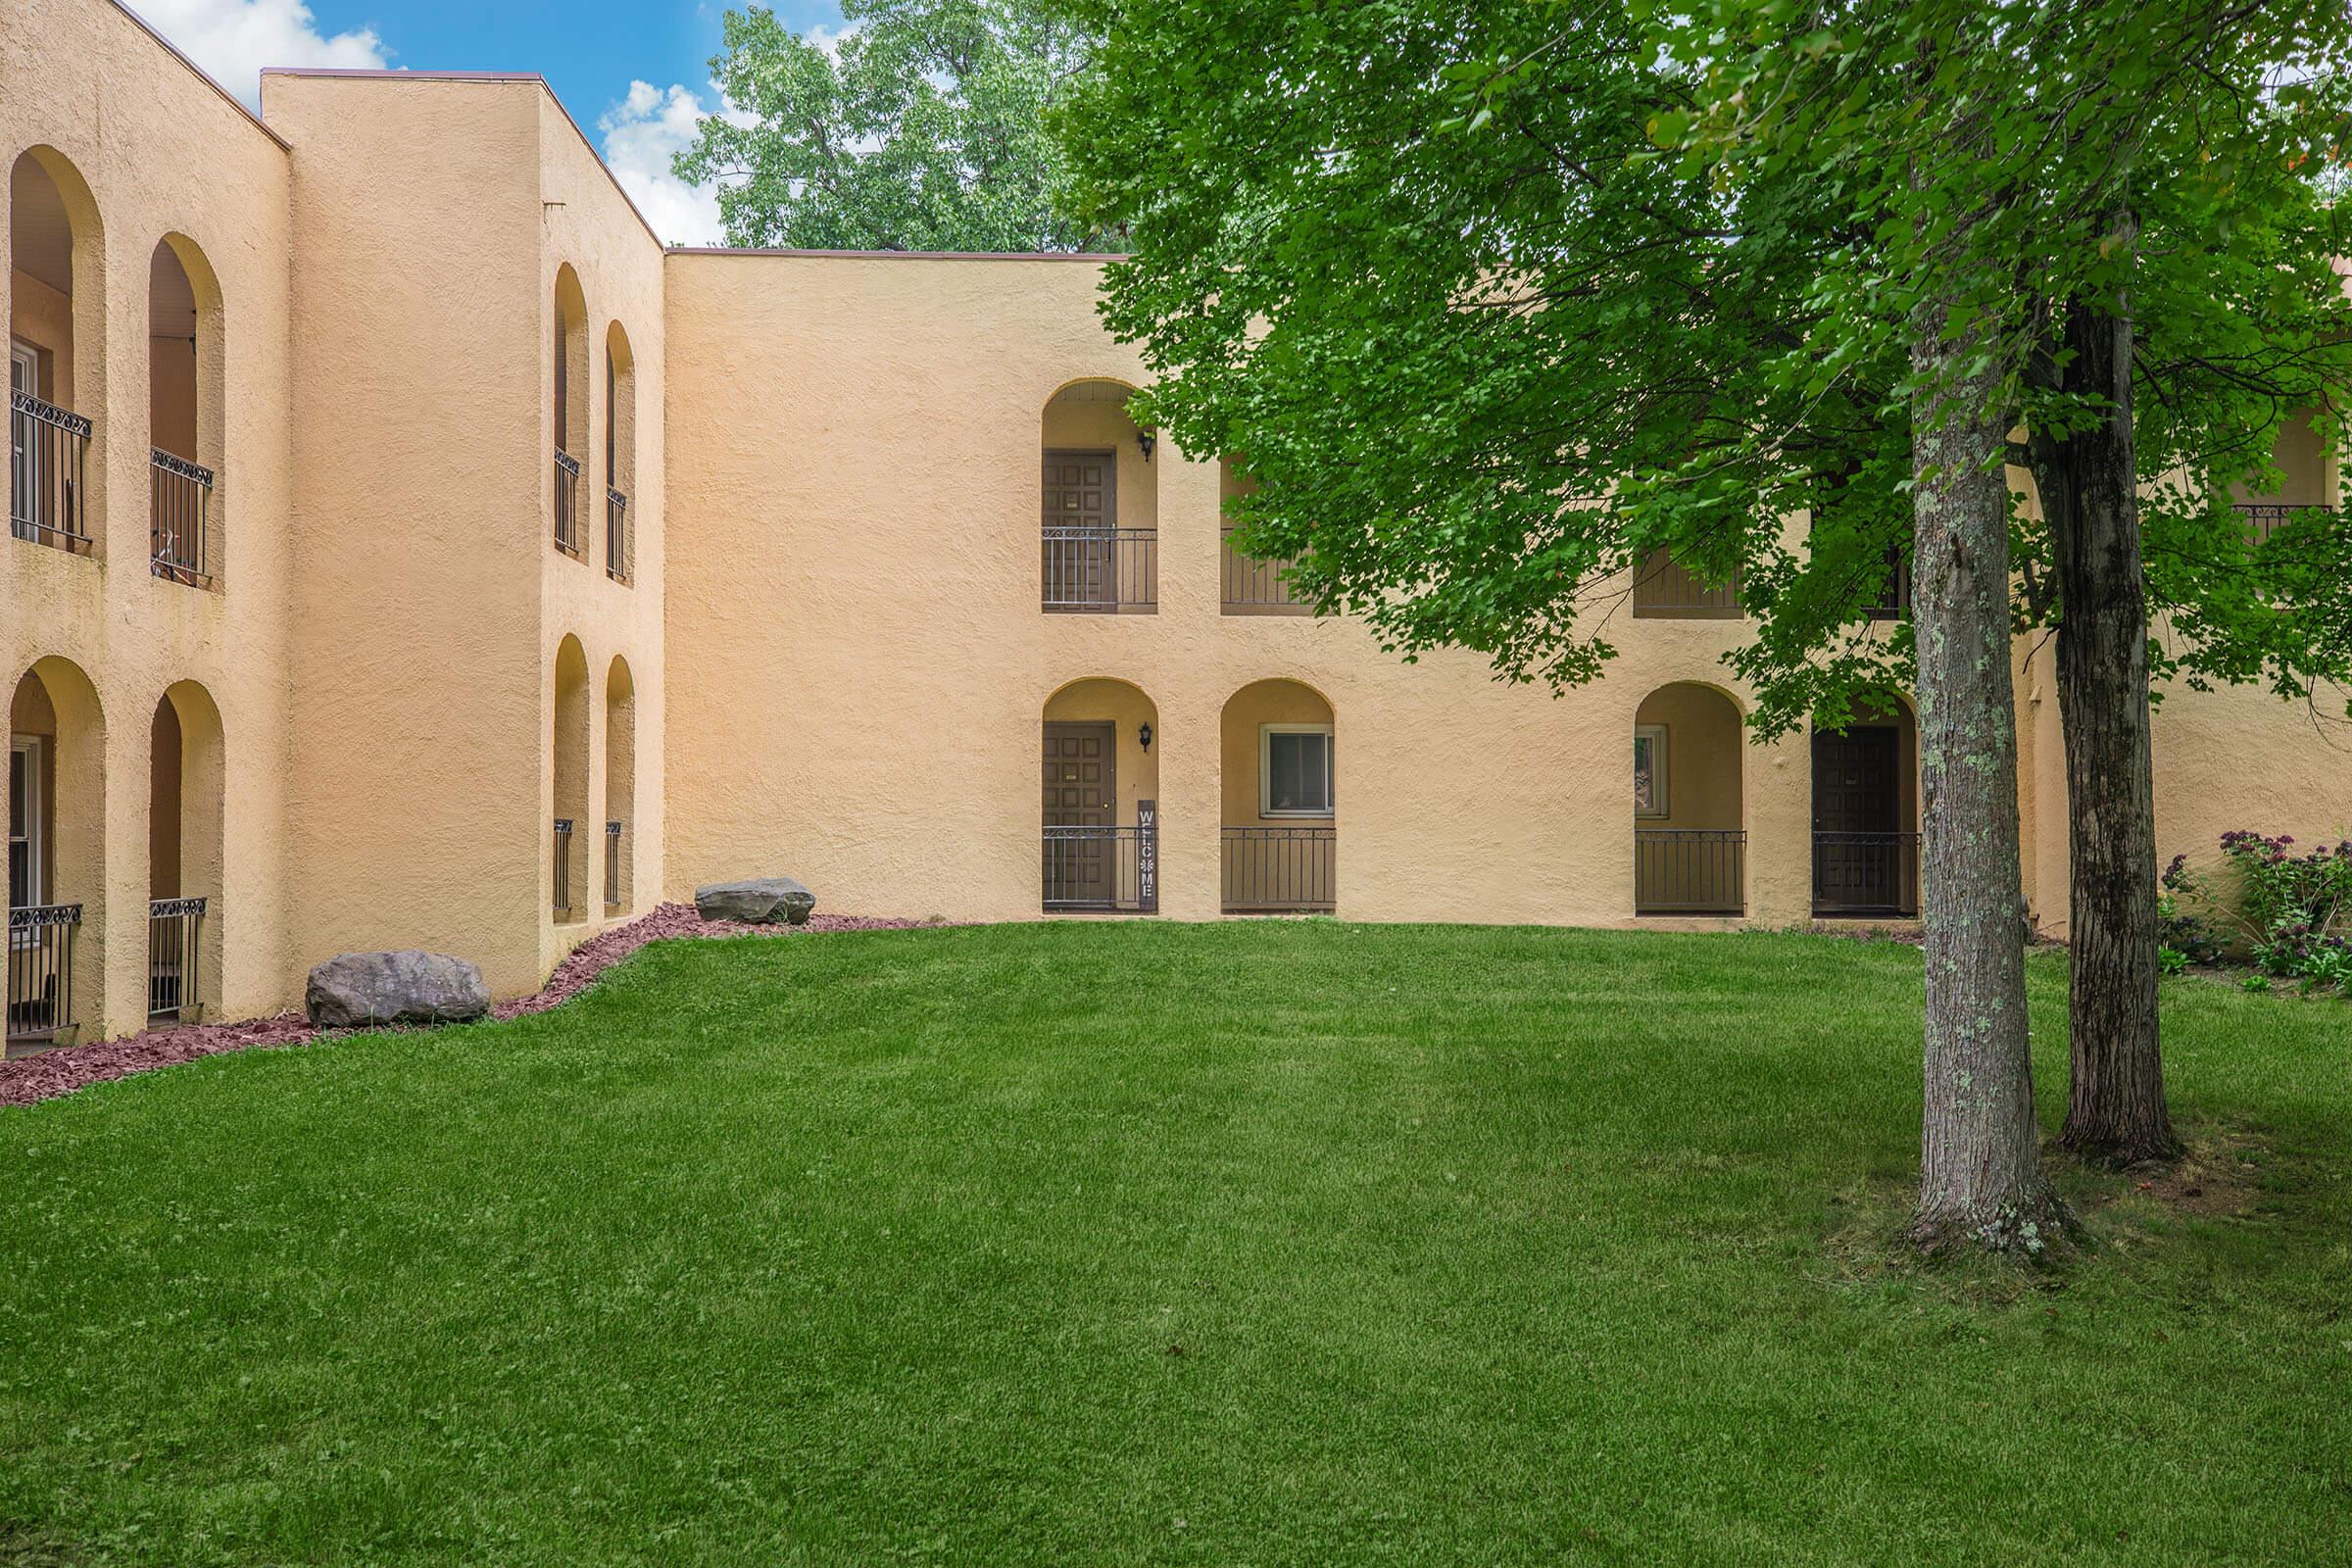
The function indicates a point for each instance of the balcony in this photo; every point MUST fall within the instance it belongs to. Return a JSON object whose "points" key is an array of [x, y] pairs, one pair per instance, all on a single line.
{"points": [[174, 971], [1690, 871], [1100, 570], [2263, 519], [1103, 869], [567, 505], [41, 976], [617, 536], [1255, 587], [1663, 590], [1865, 874], [1279, 870], [1894, 603], [180, 529], [562, 904], [46, 495]]}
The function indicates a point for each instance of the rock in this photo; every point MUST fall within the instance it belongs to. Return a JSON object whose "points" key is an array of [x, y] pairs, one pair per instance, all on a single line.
{"points": [[762, 900], [353, 989]]}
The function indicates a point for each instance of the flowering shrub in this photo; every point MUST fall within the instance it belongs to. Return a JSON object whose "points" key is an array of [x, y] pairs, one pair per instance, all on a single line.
{"points": [[2292, 912]]}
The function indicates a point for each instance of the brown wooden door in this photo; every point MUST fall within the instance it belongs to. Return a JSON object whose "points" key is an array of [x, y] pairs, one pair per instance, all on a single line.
{"points": [[1856, 791], [1080, 511], [1081, 790]]}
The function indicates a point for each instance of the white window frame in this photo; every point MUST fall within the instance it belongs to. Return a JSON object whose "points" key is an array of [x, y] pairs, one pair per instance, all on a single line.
{"points": [[1265, 769], [31, 749]]}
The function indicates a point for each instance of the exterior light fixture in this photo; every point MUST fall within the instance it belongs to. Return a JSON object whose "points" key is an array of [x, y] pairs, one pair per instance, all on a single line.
{"points": [[1143, 735], [1144, 441]]}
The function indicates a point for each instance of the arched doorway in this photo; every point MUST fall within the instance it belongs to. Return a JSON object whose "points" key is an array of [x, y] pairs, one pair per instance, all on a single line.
{"points": [[570, 412], [621, 788], [56, 857], [187, 772], [1690, 821], [184, 419], [1100, 798], [1279, 834], [1866, 811], [568, 877], [1098, 504], [56, 354]]}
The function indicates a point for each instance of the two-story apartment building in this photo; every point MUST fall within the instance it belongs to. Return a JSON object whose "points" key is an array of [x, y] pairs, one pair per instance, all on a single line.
{"points": [[407, 550]]}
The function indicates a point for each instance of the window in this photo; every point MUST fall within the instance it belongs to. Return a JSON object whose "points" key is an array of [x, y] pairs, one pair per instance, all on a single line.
{"points": [[24, 867], [1295, 770]]}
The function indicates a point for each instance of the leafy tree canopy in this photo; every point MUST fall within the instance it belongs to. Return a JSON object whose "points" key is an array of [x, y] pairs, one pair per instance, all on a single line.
{"points": [[923, 129], [1496, 300]]}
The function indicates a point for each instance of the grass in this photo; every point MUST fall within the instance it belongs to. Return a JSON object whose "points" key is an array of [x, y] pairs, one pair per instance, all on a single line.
{"points": [[1141, 1243]]}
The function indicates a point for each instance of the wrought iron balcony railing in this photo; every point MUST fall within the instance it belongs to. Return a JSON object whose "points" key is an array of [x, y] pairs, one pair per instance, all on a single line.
{"points": [[40, 972], [1255, 587], [1866, 873], [1102, 570], [46, 496], [563, 877], [2264, 518], [1105, 868], [567, 504], [174, 971], [180, 529], [1690, 870], [1665, 590], [1279, 870], [617, 536]]}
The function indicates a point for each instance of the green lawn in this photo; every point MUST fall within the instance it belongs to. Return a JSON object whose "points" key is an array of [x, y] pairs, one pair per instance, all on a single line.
{"points": [[1296, 1242]]}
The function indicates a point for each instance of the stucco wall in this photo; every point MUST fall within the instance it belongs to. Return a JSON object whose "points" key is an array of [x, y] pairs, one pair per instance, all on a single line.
{"points": [[859, 657], [159, 151], [368, 699]]}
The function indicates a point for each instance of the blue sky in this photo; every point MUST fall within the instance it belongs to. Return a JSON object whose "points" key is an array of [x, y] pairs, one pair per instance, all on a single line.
{"points": [[635, 74]]}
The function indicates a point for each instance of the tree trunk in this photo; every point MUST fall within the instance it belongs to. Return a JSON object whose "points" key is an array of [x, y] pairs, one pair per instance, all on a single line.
{"points": [[1981, 1178], [2088, 484]]}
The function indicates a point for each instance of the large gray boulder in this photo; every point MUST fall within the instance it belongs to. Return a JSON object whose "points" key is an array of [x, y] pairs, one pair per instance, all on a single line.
{"points": [[762, 900], [353, 989]]}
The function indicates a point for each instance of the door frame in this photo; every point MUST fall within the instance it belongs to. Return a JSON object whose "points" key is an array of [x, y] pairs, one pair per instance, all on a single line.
{"points": [[36, 845]]}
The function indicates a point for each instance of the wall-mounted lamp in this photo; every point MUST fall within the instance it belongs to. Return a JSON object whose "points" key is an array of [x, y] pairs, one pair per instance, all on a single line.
{"points": [[1144, 441], [1143, 735]]}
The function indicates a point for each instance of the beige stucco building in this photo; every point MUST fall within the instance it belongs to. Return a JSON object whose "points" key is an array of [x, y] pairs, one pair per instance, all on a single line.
{"points": [[408, 551]]}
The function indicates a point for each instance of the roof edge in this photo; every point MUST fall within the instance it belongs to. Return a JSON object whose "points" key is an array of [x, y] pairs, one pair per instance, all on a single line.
{"points": [[482, 76], [203, 76], [897, 256]]}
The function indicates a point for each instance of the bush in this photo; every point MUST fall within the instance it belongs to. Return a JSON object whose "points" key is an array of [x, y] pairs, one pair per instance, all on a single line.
{"points": [[2292, 914]]}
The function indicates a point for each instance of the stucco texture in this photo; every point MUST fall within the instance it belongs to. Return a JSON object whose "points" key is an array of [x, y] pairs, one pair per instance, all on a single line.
{"points": [[360, 734]]}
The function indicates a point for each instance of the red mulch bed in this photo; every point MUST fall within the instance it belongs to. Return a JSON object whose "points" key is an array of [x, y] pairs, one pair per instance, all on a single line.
{"points": [[52, 1073]]}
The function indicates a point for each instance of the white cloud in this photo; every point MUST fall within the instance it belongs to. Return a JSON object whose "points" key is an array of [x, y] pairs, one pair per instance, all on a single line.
{"points": [[653, 125], [642, 133], [232, 40]]}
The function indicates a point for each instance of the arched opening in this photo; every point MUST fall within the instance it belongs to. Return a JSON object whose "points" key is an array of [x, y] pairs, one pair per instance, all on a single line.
{"points": [[1690, 814], [1866, 810], [1252, 585], [56, 858], [569, 878], [2303, 475], [186, 768], [621, 456], [570, 411], [1280, 808], [56, 353], [1098, 504], [621, 788], [184, 417], [1101, 800]]}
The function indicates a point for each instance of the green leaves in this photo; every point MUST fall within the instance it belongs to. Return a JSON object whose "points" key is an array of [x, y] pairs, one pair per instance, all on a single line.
{"points": [[924, 129]]}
